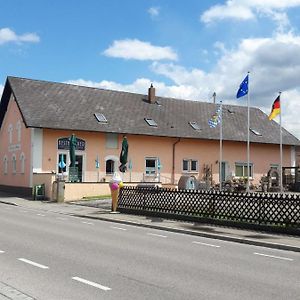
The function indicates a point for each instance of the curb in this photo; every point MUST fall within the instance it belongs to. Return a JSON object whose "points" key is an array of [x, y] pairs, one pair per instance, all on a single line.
{"points": [[9, 203], [195, 233]]}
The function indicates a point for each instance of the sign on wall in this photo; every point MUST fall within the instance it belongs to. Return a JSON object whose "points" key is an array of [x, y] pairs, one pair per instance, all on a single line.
{"points": [[64, 144]]}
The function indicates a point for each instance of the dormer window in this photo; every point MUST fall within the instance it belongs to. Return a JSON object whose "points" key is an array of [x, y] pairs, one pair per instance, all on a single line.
{"points": [[100, 118], [151, 122], [255, 132], [195, 126]]}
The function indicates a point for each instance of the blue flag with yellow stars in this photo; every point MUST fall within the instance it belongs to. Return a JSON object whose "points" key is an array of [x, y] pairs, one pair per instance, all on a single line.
{"points": [[243, 90]]}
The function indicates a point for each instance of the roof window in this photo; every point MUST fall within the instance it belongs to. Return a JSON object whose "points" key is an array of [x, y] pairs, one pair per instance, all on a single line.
{"points": [[255, 132], [195, 126], [100, 118], [151, 122]]}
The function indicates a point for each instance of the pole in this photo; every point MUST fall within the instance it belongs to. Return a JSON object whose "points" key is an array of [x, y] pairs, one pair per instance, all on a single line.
{"points": [[214, 97], [280, 169], [221, 146], [248, 135]]}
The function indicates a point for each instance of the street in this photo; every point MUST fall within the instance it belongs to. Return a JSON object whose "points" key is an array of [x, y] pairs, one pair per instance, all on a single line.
{"points": [[47, 255]]}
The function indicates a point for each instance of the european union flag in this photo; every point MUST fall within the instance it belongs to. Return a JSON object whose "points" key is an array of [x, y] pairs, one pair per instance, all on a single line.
{"points": [[243, 90]]}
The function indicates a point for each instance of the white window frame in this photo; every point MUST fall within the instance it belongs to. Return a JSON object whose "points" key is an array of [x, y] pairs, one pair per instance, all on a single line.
{"points": [[14, 164], [244, 165], [151, 171], [115, 159], [18, 129], [189, 165], [22, 163], [10, 133]]}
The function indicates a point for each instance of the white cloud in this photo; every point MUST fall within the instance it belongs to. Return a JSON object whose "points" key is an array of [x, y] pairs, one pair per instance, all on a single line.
{"points": [[249, 9], [139, 50], [154, 11], [9, 36], [274, 64], [221, 12]]}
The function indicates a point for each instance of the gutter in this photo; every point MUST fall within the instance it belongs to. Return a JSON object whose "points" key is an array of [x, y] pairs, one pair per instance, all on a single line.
{"points": [[173, 161]]}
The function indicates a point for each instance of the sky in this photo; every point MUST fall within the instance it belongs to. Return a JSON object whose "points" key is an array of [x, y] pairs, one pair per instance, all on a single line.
{"points": [[187, 49]]}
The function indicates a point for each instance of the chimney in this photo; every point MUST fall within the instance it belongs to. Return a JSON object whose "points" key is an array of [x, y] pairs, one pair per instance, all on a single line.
{"points": [[151, 94]]}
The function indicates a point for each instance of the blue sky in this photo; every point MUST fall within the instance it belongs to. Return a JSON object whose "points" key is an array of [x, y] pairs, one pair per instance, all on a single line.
{"points": [[188, 49]]}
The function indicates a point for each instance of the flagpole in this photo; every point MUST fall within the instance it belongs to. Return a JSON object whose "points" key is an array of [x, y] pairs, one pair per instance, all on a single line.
{"points": [[221, 145], [281, 187], [248, 135]]}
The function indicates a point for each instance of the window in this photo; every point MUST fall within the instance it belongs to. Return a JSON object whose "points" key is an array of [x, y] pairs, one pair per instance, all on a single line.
{"points": [[111, 141], [110, 167], [151, 122], [22, 161], [195, 126], [18, 128], [14, 164], [62, 163], [241, 170], [151, 166], [10, 132], [255, 132], [100, 118], [190, 165], [5, 164]]}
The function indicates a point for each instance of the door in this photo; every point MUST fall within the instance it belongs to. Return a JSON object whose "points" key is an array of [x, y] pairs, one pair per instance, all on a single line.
{"points": [[78, 164]]}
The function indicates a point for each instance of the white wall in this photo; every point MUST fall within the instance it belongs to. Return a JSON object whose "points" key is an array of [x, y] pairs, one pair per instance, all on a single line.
{"points": [[37, 150]]}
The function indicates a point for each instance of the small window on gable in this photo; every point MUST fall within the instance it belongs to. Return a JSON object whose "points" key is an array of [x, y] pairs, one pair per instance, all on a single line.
{"points": [[22, 161], [195, 126], [5, 165], [100, 118], [255, 132], [14, 164], [151, 122]]}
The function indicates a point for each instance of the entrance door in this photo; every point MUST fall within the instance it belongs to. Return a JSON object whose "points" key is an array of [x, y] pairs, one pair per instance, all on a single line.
{"points": [[78, 164]]}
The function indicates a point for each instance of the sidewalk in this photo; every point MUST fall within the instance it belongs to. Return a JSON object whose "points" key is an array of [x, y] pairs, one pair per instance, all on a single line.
{"points": [[100, 209]]}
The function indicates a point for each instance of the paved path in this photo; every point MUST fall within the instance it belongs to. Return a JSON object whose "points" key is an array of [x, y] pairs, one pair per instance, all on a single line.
{"points": [[101, 210]]}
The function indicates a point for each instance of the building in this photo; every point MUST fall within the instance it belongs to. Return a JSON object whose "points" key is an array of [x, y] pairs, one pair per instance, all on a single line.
{"points": [[167, 137]]}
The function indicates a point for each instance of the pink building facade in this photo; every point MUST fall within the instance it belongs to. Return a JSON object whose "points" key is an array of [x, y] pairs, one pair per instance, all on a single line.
{"points": [[30, 150]]}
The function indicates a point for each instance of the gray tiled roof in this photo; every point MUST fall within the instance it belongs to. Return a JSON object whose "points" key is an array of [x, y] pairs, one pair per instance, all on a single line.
{"points": [[64, 106]]}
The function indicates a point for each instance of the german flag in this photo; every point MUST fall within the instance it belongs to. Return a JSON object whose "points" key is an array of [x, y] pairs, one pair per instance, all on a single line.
{"points": [[275, 108]]}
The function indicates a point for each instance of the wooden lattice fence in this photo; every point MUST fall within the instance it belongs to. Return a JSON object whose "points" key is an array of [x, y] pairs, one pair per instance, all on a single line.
{"points": [[258, 208]]}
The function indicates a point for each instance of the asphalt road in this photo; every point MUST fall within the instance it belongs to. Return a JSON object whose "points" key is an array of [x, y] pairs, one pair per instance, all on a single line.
{"points": [[53, 256]]}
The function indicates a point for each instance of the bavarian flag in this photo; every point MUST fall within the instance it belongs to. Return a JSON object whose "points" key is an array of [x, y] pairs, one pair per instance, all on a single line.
{"points": [[275, 108]]}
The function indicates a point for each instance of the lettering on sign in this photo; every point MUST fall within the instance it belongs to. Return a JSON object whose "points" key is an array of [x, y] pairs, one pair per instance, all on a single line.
{"points": [[64, 144]]}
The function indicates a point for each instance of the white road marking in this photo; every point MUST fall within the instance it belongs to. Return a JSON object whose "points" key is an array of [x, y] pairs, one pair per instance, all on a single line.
{"points": [[41, 215], [33, 263], [119, 228], [272, 256], [205, 244], [1, 251], [158, 235], [83, 222], [94, 284]]}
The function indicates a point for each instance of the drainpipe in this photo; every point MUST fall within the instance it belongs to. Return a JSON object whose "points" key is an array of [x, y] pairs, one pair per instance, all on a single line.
{"points": [[173, 162]]}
